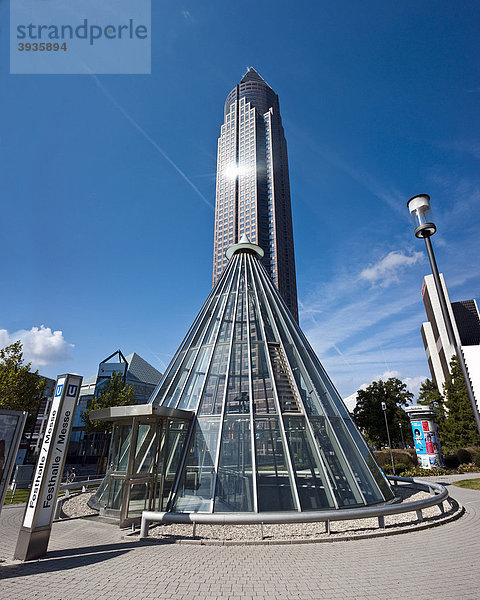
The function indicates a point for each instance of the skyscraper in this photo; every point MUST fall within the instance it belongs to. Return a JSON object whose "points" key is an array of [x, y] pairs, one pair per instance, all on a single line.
{"points": [[253, 188]]}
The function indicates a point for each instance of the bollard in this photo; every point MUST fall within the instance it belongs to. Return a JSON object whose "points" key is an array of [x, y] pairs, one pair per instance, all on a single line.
{"points": [[58, 509]]}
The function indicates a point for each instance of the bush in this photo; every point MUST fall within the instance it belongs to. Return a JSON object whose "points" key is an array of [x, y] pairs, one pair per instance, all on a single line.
{"points": [[401, 467], [464, 456], [476, 459], [451, 461], [408, 456], [467, 469], [419, 472]]}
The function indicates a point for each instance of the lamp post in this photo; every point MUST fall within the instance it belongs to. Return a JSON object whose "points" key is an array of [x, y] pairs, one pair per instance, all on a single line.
{"points": [[401, 433], [384, 408], [419, 208]]}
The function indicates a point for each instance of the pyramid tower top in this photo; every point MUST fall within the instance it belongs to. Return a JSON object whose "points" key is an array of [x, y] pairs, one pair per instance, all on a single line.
{"points": [[244, 245]]}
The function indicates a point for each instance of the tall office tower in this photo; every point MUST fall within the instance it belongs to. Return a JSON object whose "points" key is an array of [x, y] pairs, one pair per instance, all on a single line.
{"points": [[253, 188]]}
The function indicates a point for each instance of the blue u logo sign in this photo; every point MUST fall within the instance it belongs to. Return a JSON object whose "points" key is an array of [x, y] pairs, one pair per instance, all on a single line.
{"points": [[59, 390], [72, 390]]}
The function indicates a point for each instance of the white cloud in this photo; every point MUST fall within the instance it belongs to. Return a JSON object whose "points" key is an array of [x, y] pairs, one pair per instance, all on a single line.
{"points": [[41, 345], [385, 271]]}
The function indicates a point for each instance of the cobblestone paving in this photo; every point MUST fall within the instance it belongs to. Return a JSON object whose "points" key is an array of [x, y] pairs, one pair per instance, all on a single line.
{"points": [[87, 559]]}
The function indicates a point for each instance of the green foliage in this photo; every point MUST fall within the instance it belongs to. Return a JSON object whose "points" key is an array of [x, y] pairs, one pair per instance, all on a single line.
{"points": [[459, 428], [451, 461], [469, 484], [369, 415], [476, 459], [464, 456], [114, 393], [20, 389], [419, 472], [430, 396]]}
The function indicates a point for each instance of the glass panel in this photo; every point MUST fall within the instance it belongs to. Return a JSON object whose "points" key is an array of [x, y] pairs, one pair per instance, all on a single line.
{"points": [[191, 394], [371, 462], [145, 450], [234, 481], [311, 485], [173, 395], [362, 474], [238, 400], [115, 493], [139, 498], [255, 328], [121, 447], [159, 395], [226, 327], [341, 479], [273, 483], [176, 438], [212, 398], [261, 381], [196, 487]]}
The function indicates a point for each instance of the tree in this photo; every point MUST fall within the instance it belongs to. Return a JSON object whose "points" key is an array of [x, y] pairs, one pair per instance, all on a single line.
{"points": [[114, 393], [430, 396], [20, 388], [369, 415], [460, 429]]}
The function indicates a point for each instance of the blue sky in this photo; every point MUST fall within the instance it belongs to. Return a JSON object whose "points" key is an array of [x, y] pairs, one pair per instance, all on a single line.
{"points": [[107, 183]]}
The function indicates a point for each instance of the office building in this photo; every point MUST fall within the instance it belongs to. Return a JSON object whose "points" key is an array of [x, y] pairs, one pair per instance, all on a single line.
{"points": [[253, 188], [439, 348]]}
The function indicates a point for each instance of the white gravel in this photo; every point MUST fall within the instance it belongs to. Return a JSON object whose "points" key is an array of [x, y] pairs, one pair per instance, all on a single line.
{"points": [[300, 531], [76, 505]]}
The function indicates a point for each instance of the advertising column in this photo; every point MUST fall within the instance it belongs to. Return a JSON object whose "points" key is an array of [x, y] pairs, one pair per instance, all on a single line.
{"points": [[425, 436], [37, 522]]}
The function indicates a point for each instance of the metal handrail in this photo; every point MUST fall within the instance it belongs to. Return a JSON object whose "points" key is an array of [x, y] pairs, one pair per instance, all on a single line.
{"points": [[439, 495], [80, 484]]}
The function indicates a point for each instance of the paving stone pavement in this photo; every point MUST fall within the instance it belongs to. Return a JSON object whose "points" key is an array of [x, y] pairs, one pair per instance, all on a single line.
{"points": [[89, 560]]}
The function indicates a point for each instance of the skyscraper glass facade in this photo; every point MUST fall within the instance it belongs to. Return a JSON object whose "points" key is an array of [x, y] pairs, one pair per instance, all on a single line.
{"points": [[253, 188]]}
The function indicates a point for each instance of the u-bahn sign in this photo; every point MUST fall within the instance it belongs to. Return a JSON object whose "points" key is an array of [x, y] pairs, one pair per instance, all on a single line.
{"points": [[37, 522]]}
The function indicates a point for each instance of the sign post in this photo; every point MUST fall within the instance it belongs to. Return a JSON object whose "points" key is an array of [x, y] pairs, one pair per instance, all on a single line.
{"points": [[37, 521]]}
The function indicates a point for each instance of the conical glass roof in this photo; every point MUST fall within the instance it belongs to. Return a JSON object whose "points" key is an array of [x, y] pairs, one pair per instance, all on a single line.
{"points": [[270, 432]]}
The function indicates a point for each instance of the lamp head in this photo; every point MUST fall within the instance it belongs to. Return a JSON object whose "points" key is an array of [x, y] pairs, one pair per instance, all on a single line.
{"points": [[420, 211]]}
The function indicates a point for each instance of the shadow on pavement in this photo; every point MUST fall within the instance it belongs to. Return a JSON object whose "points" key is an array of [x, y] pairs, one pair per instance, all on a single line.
{"points": [[69, 558]]}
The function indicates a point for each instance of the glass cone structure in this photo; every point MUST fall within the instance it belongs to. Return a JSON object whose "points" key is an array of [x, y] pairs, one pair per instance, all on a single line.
{"points": [[270, 432], [245, 418]]}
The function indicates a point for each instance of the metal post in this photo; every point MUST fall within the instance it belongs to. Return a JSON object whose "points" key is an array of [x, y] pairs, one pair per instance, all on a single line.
{"points": [[401, 432], [384, 408], [449, 326]]}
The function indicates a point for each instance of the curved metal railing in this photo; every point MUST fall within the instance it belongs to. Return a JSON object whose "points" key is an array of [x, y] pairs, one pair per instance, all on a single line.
{"points": [[438, 493]]}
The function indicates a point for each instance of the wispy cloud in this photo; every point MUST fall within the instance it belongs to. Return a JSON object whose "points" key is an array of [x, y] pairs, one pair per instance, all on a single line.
{"points": [[386, 271], [41, 345], [186, 14], [160, 150]]}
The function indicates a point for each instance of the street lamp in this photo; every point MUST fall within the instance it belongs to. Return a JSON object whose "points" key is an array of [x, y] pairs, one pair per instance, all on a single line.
{"points": [[419, 208], [401, 433], [384, 408]]}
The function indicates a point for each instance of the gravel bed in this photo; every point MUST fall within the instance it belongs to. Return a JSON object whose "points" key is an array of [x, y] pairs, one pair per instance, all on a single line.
{"points": [[76, 506], [301, 531]]}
